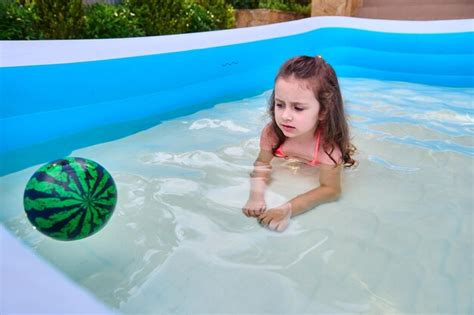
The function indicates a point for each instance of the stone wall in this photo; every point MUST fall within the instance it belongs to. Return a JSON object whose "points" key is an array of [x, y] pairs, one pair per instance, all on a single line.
{"points": [[244, 18], [335, 7]]}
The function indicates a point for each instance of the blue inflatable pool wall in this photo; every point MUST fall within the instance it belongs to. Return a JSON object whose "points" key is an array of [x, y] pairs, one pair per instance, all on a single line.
{"points": [[50, 108]]}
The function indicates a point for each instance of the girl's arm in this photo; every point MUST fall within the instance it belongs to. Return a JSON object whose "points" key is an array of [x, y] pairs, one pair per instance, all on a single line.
{"points": [[259, 178], [330, 189]]}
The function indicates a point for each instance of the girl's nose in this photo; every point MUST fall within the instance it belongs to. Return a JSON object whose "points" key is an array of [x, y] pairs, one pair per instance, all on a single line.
{"points": [[286, 115]]}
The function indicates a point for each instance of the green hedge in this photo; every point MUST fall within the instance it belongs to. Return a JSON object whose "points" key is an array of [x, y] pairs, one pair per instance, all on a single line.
{"points": [[18, 21], [111, 21], [59, 19], [299, 6], [70, 19], [244, 4]]}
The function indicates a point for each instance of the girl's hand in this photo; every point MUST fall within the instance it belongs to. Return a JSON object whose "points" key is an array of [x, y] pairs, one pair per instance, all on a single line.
{"points": [[276, 219], [254, 207]]}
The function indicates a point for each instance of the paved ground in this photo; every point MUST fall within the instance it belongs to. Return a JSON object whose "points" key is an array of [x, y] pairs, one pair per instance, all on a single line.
{"points": [[417, 9]]}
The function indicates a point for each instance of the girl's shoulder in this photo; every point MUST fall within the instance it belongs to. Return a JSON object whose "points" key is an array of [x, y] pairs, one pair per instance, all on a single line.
{"points": [[333, 157], [268, 138]]}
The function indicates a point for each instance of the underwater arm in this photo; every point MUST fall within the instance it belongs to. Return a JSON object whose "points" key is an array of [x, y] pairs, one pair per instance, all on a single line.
{"points": [[278, 218], [328, 190], [259, 179]]}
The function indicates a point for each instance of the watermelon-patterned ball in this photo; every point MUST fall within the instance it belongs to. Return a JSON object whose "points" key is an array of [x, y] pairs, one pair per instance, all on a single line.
{"points": [[70, 199]]}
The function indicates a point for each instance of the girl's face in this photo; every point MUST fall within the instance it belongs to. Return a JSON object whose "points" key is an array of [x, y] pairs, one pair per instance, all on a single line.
{"points": [[296, 108]]}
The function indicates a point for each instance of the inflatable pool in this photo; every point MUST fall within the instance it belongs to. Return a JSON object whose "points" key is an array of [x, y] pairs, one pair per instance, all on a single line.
{"points": [[59, 96]]}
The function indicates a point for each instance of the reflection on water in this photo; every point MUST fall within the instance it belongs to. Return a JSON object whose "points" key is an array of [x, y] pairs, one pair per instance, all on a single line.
{"points": [[400, 240]]}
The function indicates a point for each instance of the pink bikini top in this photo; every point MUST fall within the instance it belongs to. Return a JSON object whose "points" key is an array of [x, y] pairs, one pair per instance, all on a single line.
{"points": [[314, 161]]}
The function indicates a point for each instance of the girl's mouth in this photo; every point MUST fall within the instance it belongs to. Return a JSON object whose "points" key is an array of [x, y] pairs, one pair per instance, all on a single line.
{"points": [[288, 127]]}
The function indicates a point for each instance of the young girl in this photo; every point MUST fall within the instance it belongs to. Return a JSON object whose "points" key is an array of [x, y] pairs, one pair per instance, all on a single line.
{"points": [[308, 124]]}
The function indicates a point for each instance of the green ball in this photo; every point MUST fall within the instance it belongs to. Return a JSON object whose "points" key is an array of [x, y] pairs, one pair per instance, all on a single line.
{"points": [[70, 199]]}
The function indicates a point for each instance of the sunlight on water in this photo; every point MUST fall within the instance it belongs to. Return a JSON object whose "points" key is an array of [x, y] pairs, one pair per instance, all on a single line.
{"points": [[400, 240]]}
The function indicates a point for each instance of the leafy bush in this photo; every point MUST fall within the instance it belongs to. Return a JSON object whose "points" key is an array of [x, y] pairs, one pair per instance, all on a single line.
{"points": [[198, 18], [18, 21], [244, 4], [301, 6], [67, 19], [111, 21], [60, 19], [159, 17], [220, 14]]}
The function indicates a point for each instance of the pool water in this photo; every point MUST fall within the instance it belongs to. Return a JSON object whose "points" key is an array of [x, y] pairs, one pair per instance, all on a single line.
{"points": [[400, 239]]}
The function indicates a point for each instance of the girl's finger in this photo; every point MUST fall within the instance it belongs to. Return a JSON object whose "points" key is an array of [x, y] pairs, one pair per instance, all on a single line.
{"points": [[281, 227], [272, 225], [267, 221], [277, 228]]}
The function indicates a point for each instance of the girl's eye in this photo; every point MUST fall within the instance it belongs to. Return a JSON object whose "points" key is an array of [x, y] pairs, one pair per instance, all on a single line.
{"points": [[279, 105], [299, 109]]}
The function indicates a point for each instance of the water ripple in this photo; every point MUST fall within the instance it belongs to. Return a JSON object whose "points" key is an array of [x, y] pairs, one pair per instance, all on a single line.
{"points": [[392, 166], [216, 123]]}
